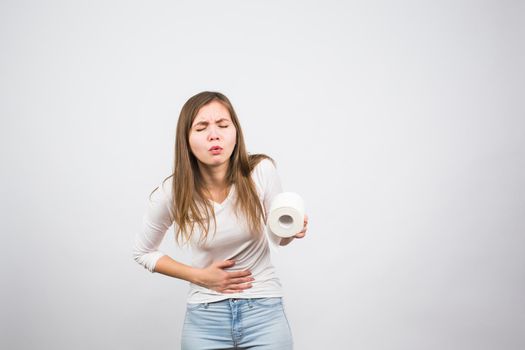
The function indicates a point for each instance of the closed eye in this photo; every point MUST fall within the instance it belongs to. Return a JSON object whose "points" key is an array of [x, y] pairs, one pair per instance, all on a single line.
{"points": [[221, 126]]}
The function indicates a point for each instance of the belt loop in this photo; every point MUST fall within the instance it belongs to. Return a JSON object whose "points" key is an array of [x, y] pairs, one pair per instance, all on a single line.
{"points": [[206, 305]]}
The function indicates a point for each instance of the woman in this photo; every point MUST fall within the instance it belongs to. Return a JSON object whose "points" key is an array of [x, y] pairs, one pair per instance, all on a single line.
{"points": [[218, 199]]}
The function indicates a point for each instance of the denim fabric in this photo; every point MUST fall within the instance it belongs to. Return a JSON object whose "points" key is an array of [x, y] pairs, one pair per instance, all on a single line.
{"points": [[258, 324]]}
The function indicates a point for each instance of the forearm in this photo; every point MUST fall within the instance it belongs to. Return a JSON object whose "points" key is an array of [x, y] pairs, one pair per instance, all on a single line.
{"points": [[169, 267]]}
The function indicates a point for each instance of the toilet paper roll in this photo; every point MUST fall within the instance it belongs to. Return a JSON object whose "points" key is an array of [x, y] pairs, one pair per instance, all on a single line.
{"points": [[286, 217]]}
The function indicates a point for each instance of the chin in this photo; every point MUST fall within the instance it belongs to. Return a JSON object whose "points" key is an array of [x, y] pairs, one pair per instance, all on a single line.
{"points": [[216, 161]]}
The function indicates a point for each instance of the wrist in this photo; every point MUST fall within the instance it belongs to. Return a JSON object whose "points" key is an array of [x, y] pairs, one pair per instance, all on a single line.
{"points": [[196, 276]]}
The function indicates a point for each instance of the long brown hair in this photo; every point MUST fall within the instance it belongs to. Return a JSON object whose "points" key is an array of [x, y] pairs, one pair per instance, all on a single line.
{"points": [[188, 186]]}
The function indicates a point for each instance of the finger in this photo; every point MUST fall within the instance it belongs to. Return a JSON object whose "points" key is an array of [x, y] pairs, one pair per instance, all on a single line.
{"points": [[241, 286], [301, 234], [225, 264], [236, 274], [236, 288], [241, 280], [231, 291]]}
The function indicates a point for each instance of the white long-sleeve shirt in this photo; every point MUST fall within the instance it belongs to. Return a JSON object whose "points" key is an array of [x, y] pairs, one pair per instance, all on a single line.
{"points": [[232, 240]]}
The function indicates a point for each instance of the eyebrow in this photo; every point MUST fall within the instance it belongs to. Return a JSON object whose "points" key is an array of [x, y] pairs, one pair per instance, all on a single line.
{"points": [[217, 121]]}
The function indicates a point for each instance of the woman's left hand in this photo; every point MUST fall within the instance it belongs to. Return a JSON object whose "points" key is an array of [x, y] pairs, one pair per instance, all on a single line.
{"points": [[302, 233]]}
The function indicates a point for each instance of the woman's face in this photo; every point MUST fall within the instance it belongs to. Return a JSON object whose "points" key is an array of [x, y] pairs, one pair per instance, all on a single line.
{"points": [[212, 127]]}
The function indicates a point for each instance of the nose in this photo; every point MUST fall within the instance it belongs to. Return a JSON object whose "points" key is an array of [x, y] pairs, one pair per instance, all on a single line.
{"points": [[213, 135]]}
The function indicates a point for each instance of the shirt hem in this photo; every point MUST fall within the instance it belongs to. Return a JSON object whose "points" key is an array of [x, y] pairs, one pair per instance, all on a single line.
{"points": [[234, 296]]}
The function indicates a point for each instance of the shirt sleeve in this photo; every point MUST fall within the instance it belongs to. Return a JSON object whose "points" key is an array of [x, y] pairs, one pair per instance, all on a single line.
{"points": [[155, 223], [272, 188]]}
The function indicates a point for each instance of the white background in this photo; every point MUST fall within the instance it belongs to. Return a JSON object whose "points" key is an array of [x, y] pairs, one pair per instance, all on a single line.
{"points": [[401, 123]]}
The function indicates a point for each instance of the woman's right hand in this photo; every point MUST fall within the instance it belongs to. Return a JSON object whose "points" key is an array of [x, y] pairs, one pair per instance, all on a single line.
{"points": [[214, 277]]}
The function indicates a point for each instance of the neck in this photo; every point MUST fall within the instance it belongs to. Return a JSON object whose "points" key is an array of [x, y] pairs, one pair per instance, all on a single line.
{"points": [[214, 176]]}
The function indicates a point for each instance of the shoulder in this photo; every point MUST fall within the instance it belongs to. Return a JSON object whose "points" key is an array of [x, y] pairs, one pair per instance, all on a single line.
{"points": [[263, 170], [266, 165], [160, 200], [263, 165], [162, 192]]}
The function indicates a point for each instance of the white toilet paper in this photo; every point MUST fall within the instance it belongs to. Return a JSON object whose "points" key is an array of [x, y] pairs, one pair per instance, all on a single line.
{"points": [[286, 217]]}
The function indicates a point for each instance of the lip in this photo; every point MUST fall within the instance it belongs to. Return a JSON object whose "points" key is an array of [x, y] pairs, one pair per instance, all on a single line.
{"points": [[215, 148]]}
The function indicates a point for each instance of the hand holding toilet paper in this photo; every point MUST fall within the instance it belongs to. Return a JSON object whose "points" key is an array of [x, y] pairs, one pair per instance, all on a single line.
{"points": [[286, 217]]}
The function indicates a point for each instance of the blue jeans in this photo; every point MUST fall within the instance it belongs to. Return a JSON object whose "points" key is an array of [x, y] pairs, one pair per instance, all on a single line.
{"points": [[258, 324]]}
